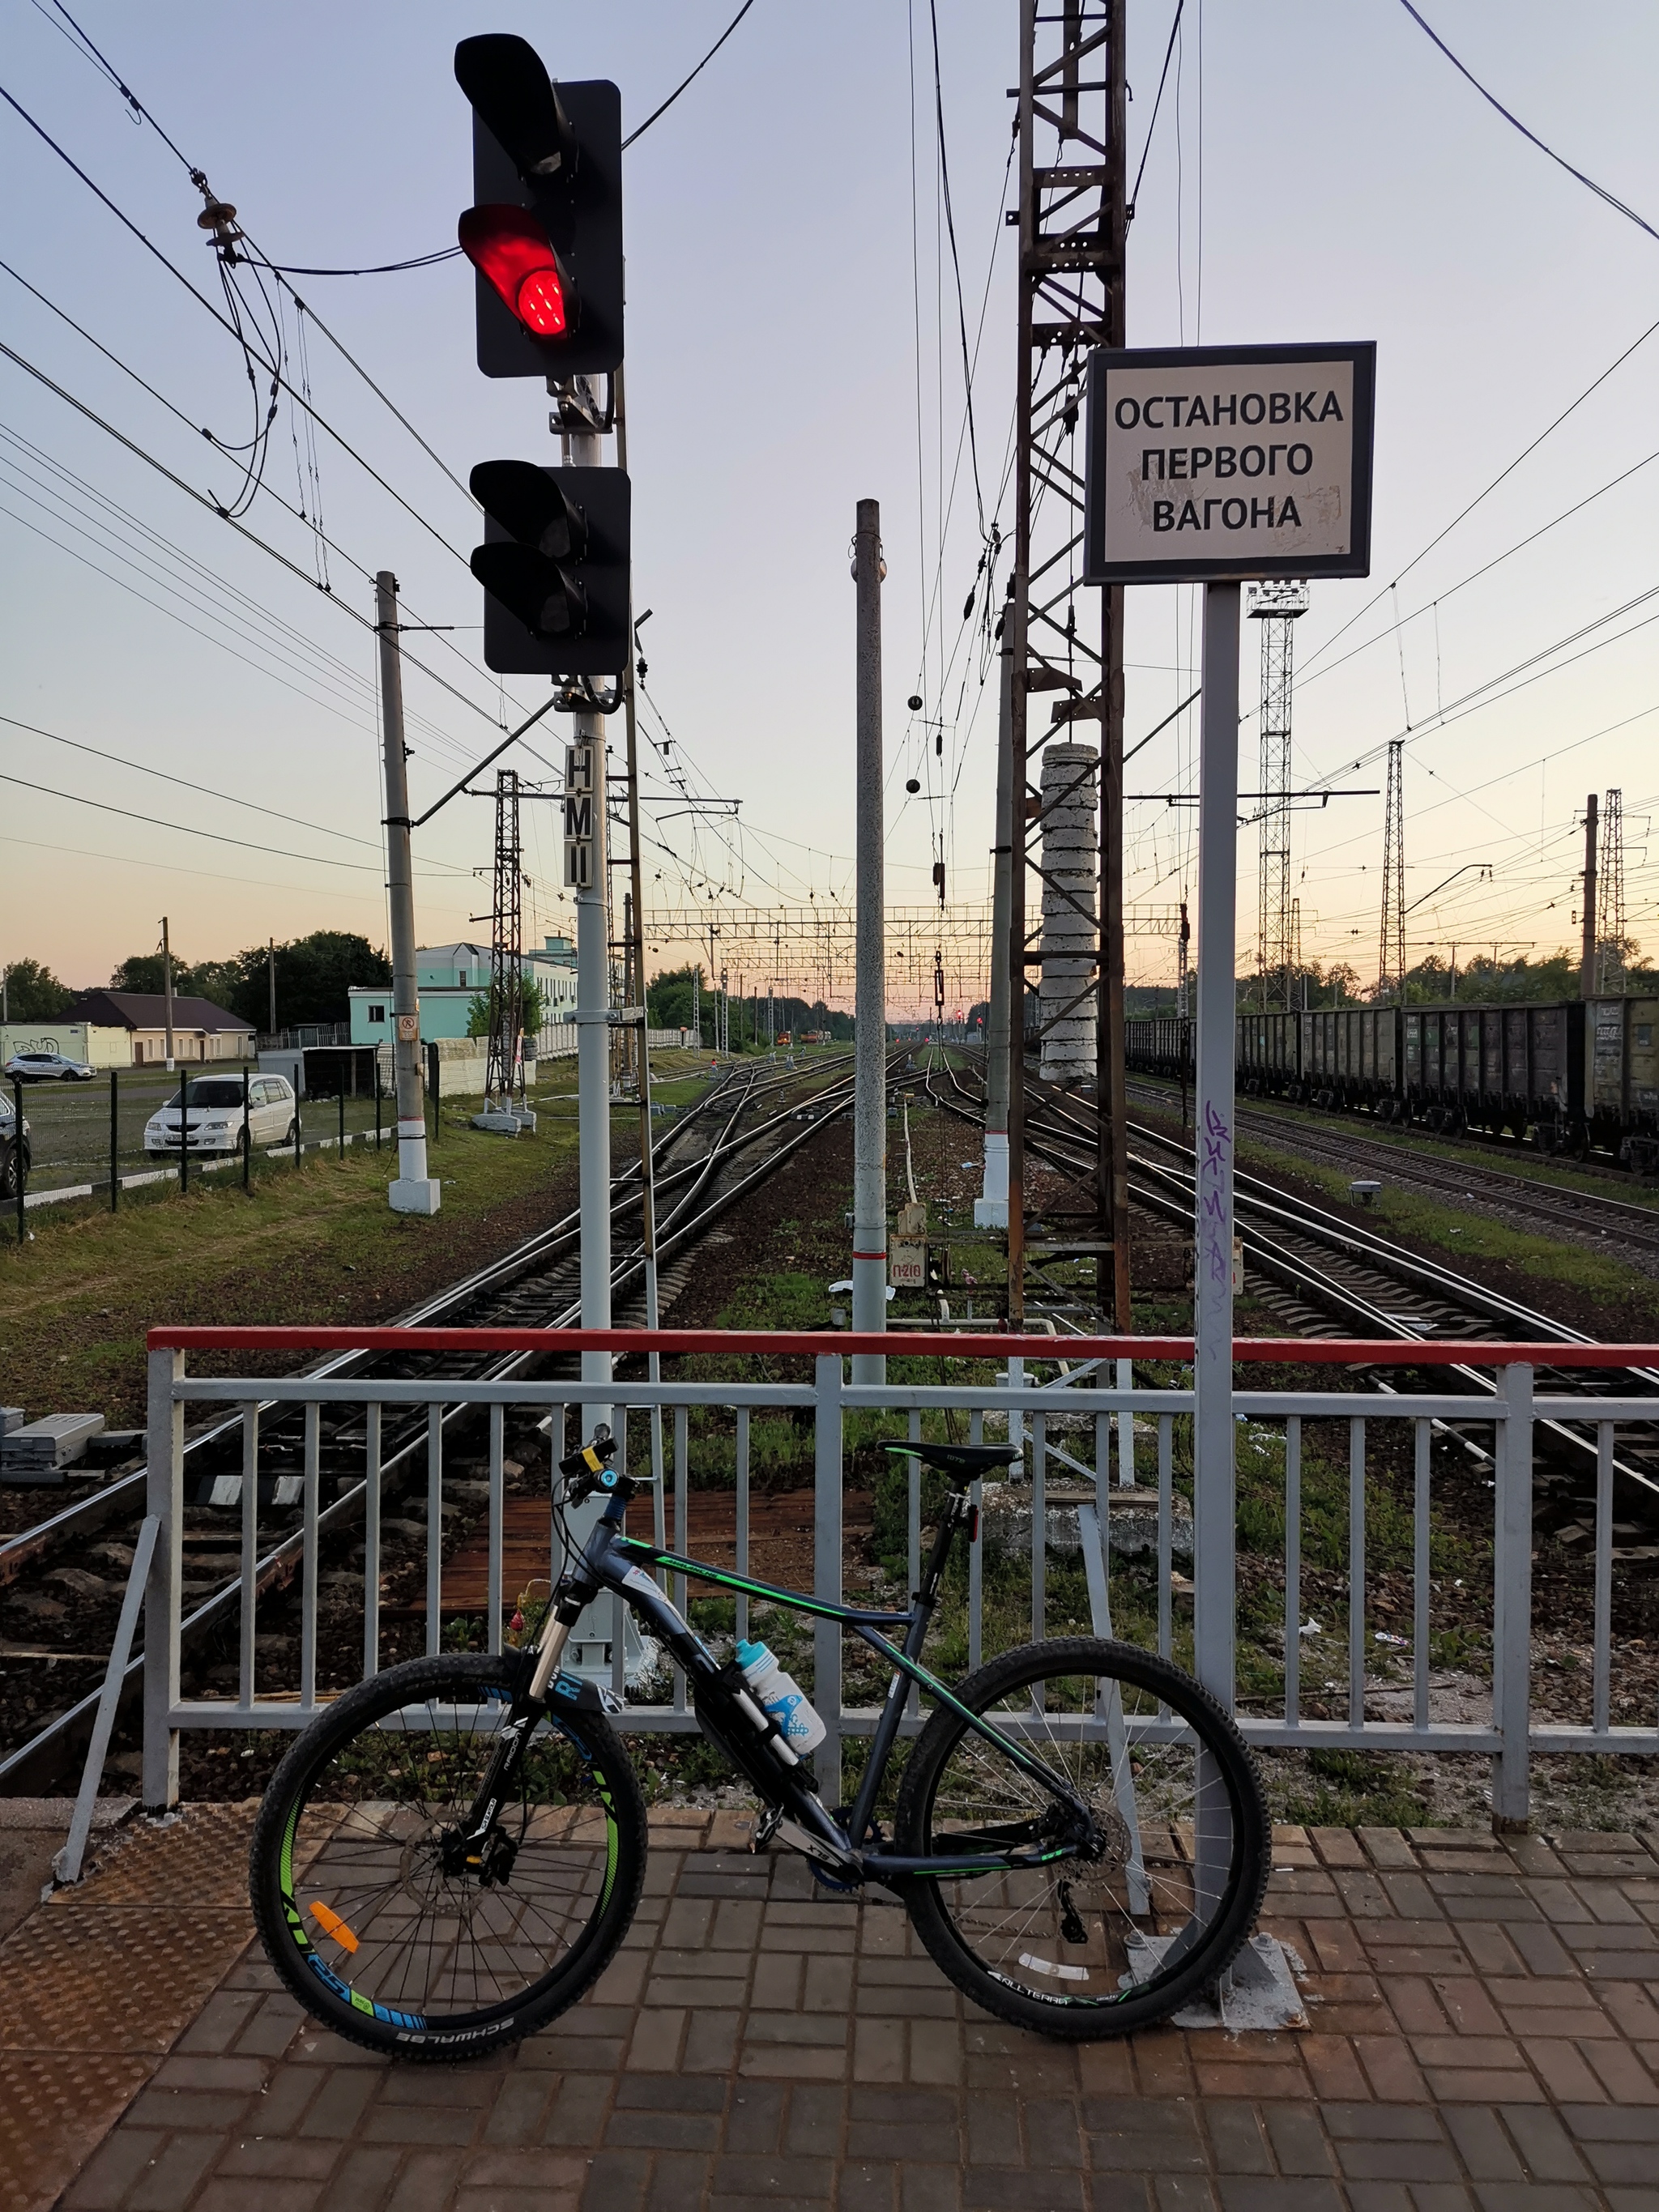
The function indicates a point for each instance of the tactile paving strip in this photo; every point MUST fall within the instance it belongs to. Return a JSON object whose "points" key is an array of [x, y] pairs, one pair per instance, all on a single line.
{"points": [[188, 1860], [101, 1982], [118, 1979], [55, 2109]]}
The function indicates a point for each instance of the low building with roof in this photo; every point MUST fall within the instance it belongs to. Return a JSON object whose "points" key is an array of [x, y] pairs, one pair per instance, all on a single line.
{"points": [[201, 1030]]}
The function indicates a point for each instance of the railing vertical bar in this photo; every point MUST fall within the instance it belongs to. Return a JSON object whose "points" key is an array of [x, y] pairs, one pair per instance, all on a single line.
{"points": [[372, 1541], [827, 1444], [680, 1476], [1512, 1641], [912, 1532], [618, 1610], [250, 1545], [1421, 1590], [977, 1548], [434, 1526], [164, 1440], [1126, 1428], [1165, 1530], [658, 1478], [1039, 1524], [1356, 1570], [1601, 1639], [1293, 1568], [313, 1477], [497, 1507], [742, 1561]]}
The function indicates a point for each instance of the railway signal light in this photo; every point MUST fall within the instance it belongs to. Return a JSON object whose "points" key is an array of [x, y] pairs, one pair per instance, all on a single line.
{"points": [[545, 233], [554, 568]]}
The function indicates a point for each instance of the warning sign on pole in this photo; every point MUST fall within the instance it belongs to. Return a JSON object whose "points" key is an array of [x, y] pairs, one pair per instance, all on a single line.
{"points": [[1217, 463]]}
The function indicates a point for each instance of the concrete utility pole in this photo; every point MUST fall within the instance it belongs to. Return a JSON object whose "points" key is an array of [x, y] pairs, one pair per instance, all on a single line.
{"points": [[1587, 964], [414, 1191], [869, 1003], [167, 978], [990, 1208]]}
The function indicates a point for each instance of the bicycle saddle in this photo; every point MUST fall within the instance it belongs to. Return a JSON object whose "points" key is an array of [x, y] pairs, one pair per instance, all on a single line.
{"points": [[961, 1462]]}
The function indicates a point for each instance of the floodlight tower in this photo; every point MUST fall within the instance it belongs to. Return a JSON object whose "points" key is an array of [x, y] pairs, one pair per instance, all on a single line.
{"points": [[1277, 607]]}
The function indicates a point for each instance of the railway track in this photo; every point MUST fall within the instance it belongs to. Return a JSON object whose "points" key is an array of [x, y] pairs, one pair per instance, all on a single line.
{"points": [[735, 1139], [1323, 1276], [1586, 1215]]}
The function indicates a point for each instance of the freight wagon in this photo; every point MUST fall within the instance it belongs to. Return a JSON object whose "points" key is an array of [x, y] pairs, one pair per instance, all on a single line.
{"points": [[1574, 1077]]}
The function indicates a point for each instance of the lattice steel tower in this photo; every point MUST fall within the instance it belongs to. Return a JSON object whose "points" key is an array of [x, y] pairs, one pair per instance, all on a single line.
{"points": [[1610, 898], [503, 1067], [1276, 607], [1072, 219], [1391, 955]]}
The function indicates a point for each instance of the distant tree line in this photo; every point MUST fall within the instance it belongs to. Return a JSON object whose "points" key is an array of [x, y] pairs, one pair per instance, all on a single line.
{"points": [[668, 1007], [313, 974]]}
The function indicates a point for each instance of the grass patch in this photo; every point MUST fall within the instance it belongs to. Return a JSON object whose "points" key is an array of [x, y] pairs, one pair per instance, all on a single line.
{"points": [[1463, 1233], [1342, 1789], [314, 1243]]}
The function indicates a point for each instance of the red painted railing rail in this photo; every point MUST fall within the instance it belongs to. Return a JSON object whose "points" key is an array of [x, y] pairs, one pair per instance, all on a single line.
{"points": [[1352, 1351]]}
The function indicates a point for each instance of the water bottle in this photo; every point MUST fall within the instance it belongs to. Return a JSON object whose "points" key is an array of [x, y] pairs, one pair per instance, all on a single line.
{"points": [[781, 1698]]}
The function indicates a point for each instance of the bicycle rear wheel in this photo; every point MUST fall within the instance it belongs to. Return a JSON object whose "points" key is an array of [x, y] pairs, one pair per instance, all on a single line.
{"points": [[367, 1911], [1097, 1941]]}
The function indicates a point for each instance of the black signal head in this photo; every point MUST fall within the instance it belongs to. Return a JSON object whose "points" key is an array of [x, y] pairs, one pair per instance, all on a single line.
{"points": [[528, 502], [506, 82]]}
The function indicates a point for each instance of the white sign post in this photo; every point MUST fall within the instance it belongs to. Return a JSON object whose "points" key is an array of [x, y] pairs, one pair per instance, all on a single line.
{"points": [[1215, 464]]}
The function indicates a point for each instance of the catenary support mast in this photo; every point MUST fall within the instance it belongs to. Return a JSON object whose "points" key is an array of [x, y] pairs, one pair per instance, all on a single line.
{"points": [[1072, 223]]}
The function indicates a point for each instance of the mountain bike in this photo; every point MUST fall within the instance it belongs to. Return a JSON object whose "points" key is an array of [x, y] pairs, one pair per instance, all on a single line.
{"points": [[449, 1855]]}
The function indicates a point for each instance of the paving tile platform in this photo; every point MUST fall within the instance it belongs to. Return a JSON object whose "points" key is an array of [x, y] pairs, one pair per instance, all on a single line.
{"points": [[1484, 2035]]}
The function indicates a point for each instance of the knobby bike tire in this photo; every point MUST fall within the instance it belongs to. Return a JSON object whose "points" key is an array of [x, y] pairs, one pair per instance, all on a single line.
{"points": [[1061, 1949], [325, 1839]]}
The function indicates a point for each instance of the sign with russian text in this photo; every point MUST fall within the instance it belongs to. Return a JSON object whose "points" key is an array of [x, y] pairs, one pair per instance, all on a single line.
{"points": [[1219, 463]]}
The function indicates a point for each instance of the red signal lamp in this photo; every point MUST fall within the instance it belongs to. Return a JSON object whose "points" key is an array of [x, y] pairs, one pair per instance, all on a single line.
{"points": [[512, 250]]}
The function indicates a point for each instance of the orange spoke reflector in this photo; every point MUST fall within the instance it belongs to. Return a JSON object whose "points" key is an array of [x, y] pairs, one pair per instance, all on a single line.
{"points": [[332, 1924]]}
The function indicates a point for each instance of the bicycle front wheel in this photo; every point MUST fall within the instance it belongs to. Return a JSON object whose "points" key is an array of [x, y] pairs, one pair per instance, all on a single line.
{"points": [[1154, 1905], [373, 1919]]}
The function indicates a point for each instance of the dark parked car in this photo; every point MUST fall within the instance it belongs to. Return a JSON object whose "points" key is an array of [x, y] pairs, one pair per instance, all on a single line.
{"points": [[47, 1067], [8, 1161]]}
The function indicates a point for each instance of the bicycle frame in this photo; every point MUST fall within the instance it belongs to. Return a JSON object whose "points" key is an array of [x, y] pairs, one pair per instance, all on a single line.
{"points": [[615, 1562]]}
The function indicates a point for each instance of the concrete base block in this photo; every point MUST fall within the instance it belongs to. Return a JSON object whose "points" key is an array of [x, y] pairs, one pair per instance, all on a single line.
{"points": [[990, 1214], [499, 1122], [408, 1195], [1257, 1992]]}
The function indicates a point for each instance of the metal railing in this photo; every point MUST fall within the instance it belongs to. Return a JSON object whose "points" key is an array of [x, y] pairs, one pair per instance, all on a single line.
{"points": [[1089, 1422]]}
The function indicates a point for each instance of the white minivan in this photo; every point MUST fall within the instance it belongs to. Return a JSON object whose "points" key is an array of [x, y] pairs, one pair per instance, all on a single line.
{"points": [[214, 1114]]}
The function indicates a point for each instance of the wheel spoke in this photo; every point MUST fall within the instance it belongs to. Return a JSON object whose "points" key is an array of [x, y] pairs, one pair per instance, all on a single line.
{"points": [[389, 1907], [1087, 1929]]}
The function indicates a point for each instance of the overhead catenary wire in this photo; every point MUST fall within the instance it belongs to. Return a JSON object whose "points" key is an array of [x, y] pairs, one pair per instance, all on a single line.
{"points": [[241, 529], [1463, 514], [184, 782], [1612, 200], [227, 324]]}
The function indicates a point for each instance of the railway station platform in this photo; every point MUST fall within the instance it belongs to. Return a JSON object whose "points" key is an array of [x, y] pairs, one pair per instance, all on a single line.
{"points": [[1483, 2034]]}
